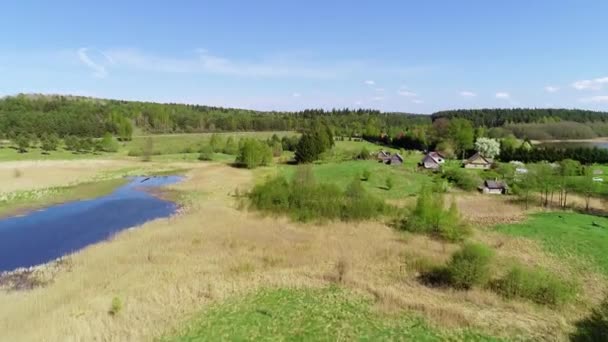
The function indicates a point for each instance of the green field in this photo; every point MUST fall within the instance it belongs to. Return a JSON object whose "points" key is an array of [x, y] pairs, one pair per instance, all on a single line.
{"points": [[583, 237], [162, 144], [406, 181], [329, 314]]}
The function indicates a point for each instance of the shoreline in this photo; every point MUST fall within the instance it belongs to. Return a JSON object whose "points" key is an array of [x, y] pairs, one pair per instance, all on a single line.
{"points": [[554, 141]]}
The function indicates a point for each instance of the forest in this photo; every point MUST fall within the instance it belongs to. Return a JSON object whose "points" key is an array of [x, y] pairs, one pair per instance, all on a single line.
{"points": [[37, 115]]}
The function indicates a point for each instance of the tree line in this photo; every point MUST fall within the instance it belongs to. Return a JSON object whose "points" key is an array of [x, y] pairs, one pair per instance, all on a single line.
{"points": [[36, 115]]}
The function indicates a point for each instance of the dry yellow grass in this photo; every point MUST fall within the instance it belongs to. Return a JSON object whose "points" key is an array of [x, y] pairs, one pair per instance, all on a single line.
{"points": [[31, 175], [167, 270]]}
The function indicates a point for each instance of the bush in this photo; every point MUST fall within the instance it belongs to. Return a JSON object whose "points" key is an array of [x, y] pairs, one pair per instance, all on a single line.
{"points": [[469, 267], [253, 153], [305, 200], [363, 154], [115, 307], [231, 147], [49, 142], [389, 183], [108, 144], [430, 217], [206, 153], [23, 142], [463, 179], [534, 284], [366, 175], [594, 327]]}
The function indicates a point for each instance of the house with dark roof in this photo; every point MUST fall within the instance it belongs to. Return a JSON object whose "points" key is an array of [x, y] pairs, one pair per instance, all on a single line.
{"points": [[383, 156], [432, 161], [477, 161], [494, 187], [395, 159]]}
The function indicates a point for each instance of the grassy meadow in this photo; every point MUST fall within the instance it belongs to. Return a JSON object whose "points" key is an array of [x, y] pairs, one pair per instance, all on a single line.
{"points": [[219, 270], [328, 314], [567, 235]]}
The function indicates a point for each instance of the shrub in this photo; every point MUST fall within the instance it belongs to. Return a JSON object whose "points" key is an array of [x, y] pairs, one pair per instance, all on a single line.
{"points": [[594, 327], [108, 144], [49, 142], [469, 267], [363, 154], [231, 147], [465, 180], [253, 153], [216, 142], [23, 142], [115, 307], [148, 150], [365, 176], [289, 143], [277, 148], [430, 217], [389, 183], [305, 200], [71, 143], [534, 284], [206, 153]]}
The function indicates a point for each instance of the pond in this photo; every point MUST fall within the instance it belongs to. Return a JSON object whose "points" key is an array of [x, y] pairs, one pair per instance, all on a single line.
{"points": [[576, 144], [45, 235]]}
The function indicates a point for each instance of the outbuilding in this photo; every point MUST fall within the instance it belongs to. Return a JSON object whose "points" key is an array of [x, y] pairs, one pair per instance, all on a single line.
{"points": [[494, 187]]}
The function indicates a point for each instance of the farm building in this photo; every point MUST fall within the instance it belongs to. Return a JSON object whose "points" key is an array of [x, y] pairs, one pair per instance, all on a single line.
{"points": [[477, 161], [395, 159], [383, 156], [432, 161], [494, 187]]}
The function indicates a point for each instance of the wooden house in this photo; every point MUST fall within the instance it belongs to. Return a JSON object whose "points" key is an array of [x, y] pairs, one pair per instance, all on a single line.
{"points": [[432, 161], [477, 161]]}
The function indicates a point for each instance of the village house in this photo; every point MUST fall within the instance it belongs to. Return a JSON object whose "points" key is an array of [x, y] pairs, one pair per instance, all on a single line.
{"points": [[432, 161], [383, 156], [494, 187], [395, 159], [477, 161]]}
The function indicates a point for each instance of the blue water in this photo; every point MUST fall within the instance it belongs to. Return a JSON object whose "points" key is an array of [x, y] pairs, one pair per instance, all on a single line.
{"points": [[45, 235]]}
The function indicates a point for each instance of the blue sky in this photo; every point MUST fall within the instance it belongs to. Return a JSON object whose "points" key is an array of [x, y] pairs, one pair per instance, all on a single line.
{"points": [[411, 56]]}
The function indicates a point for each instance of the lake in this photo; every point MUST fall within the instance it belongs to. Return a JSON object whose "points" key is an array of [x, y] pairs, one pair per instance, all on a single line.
{"points": [[574, 144], [45, 235]]}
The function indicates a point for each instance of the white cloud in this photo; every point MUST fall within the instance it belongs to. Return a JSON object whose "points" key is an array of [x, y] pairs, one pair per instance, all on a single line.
{"points": [[503, 95], [417, 101], [551, 89], [358, 103], [595, 99], [406, 93], [369, 82], [380, 90], [204, 62], [378, 98], [594, 84], [99, 70], [296, 94], [466, 93]]}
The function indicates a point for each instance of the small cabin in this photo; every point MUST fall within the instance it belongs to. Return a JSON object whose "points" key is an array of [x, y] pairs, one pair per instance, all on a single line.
{"points": [[383, 156], [432, 161], [494, 187], [395, 159], [477, 161]]}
